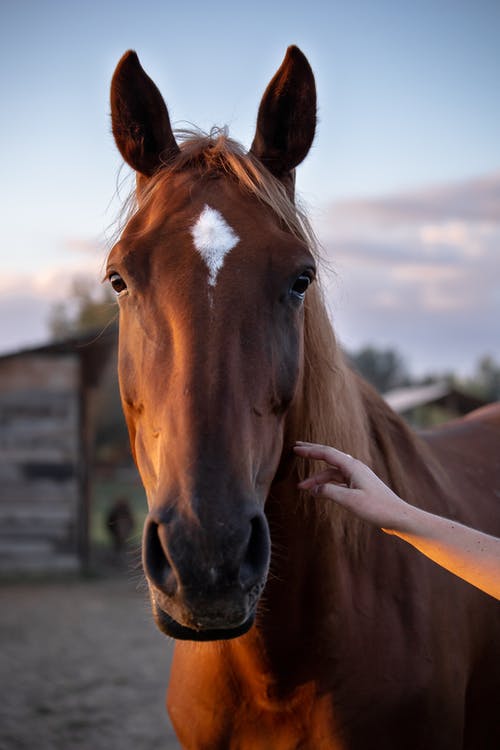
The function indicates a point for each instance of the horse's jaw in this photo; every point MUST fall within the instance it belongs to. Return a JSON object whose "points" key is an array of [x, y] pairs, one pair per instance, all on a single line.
{"points": [[168, 626], [213, 619]]}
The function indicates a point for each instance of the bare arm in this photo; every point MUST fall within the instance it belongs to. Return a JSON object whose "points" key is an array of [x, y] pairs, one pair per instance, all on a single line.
{"points": [[467, 553]]}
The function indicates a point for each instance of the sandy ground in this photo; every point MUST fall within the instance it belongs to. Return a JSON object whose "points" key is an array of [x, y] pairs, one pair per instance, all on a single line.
{"points": [[82, 666]]}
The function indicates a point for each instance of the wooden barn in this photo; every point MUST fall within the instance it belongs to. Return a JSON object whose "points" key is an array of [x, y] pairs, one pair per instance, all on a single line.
{"points": [[431, 404], [47, 397]]}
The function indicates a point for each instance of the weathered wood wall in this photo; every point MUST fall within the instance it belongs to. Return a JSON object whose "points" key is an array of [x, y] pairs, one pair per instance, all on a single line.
{"points": [[47, 400], [40, 461]]}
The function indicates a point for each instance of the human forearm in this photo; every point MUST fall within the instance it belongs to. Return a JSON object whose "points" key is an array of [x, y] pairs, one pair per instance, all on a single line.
{"points": [[468, 553]]}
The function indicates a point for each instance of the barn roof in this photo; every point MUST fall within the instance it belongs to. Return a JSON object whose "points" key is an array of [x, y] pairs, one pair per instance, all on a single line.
{"points": [[92, 348], [403, 400]]}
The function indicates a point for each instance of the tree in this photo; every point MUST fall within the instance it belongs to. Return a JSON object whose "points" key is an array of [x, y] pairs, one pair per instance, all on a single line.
{"points": [[91, 307], [485, 382], [383, 368]]}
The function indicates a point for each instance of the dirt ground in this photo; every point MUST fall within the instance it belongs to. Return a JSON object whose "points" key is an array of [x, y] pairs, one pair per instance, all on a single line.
{"points": [[82, 666]]}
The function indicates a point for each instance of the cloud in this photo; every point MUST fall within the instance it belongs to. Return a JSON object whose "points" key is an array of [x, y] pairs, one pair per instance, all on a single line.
{"points": [[471, 239], [474, 200], [85, 246], [430, 258], [52, 283], [26, 300]]}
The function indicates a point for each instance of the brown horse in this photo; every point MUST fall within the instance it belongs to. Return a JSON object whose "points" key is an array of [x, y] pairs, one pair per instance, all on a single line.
{"points": [[298, 625]]}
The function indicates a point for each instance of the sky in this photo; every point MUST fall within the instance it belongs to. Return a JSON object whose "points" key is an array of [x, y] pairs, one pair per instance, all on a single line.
{"points": [[402, 183]]}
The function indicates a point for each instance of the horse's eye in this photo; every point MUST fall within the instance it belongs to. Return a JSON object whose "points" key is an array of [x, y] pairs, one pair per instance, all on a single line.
{"points": [[117, 282], [300, 286]]}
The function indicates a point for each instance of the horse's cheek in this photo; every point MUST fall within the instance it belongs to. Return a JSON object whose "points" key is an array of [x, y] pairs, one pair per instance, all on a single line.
{"points": [[289, 368]]}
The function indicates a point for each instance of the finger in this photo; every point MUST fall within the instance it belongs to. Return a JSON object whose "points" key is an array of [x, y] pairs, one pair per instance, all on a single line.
{"points": [[325, 453], [323, 477], [304, 449], [340, 494]]}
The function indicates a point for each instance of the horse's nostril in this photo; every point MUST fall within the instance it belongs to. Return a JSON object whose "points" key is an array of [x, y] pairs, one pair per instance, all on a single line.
{"points": [[256, 560], [155, 559]]}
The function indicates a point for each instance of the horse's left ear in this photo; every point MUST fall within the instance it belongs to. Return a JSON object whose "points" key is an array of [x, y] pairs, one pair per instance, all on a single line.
{"points": [[287, 117]]}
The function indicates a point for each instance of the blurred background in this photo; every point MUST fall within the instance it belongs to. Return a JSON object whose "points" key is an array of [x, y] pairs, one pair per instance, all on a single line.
{"points": [[403, 189]]}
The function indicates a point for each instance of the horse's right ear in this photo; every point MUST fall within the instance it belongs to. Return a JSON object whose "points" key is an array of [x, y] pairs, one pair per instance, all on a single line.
{"points": [[287, 116], [139, 117]]}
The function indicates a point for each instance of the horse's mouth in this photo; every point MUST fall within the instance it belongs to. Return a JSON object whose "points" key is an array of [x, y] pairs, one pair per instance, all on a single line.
{"points": [[174, 629]]}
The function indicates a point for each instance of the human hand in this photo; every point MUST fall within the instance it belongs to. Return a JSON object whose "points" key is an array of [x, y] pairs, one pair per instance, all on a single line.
{"points": [[354, 486]]}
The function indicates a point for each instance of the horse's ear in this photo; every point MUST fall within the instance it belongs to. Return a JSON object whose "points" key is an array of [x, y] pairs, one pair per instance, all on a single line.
{"points": [[139, 117], [287, 117]]}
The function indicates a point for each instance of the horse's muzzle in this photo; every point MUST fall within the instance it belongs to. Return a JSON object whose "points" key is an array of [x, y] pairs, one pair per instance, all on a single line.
{"points": [[205, 583]]}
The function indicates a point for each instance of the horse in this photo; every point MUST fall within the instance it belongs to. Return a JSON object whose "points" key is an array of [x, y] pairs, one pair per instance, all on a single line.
{"points": [[296, 625]]}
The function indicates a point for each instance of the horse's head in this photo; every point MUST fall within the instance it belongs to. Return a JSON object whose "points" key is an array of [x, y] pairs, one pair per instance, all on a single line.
{"points": [[211, 273]]}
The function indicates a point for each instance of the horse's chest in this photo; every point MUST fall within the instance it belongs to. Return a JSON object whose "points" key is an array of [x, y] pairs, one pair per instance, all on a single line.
{"points": [[281, 730], [254, 729], [228, 718]]}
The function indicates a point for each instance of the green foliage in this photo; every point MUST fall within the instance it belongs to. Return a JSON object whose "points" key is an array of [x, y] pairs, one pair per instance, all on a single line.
{"points": [[485, 383]]}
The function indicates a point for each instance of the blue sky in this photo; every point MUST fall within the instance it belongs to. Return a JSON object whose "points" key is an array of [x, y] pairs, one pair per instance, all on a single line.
{"points": [[408, 105]]}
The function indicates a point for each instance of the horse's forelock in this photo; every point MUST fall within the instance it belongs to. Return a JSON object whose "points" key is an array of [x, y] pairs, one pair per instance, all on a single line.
{"points": [[215, 153]]}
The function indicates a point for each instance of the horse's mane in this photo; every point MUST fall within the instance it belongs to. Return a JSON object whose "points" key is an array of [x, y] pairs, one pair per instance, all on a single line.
{"points": [[336, 406]]}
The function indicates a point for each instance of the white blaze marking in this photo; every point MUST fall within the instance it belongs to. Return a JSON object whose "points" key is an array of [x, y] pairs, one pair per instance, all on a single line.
{"points": [[214, 239]]}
